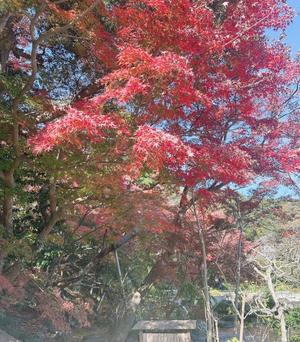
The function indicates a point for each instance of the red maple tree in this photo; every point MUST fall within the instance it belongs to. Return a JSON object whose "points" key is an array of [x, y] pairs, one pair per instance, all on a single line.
{"points": [[197, 89], [192, 92]]}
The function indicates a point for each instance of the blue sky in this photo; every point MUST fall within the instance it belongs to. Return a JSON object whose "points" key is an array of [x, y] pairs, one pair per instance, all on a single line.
{"points": [[293, 32], [292, 40]]}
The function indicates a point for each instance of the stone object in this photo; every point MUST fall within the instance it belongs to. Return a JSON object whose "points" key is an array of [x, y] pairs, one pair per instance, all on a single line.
{"points": [[165, 331]]}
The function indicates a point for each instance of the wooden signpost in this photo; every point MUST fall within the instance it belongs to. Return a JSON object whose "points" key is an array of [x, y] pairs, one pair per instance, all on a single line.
{"points": [[165, 331]]}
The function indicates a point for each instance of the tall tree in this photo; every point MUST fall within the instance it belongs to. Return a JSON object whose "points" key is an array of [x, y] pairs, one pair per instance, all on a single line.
{"points": [[198, 93], [129, 95]]}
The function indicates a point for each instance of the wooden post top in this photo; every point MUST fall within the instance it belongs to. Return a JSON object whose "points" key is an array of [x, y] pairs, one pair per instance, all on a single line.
{"points": [[174, 325]]}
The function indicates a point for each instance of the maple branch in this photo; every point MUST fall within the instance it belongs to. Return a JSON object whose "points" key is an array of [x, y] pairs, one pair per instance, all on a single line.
{"points": [[30, 81], [242, 32], [102, 253], [293, 93], [52, 196], [55, 216], [2, 176], [58, 2], [37, 41], [182, 205], [89, 91], [82, 219], [214, 187], [33, 56], [3, 21], [7, 177], [56, 30]]}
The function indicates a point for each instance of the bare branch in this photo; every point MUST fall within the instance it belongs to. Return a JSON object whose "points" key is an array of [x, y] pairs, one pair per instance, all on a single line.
{"points": [[55, 217], [102, 253]]}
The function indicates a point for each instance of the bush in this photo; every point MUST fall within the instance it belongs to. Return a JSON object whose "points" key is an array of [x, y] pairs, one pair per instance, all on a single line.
{"points": [[295, 338], [293, 319]]}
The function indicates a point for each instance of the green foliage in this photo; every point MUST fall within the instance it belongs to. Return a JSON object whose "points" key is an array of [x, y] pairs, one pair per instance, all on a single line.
{"points": [[224, 308], [14, 5], [14, 247], [272, 216], [11, 84], [63, 255], [293, 319], [146, 179], [167, 300], [6, 156]]}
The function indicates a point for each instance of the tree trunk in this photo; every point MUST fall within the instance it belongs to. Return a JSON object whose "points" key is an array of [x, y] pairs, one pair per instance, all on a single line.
{"points": [[209, 315], [7, 43], [242, 320], [2, 259], [206, 290], [8, 180], [7, 40], [283, 329], [280, 309], [238, 271], [7, 221], [8, 209]]}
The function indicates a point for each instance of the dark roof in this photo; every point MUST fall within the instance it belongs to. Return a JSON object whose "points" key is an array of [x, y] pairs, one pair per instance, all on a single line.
{"points": [[165, 325]]}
